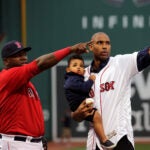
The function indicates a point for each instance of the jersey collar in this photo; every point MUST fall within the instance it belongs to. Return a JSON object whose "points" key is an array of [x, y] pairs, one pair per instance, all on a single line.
{"points": [[101, 66]]}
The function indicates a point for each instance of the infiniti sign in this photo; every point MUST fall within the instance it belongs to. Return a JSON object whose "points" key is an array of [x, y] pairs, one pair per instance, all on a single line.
{"points": [[137, 3]]}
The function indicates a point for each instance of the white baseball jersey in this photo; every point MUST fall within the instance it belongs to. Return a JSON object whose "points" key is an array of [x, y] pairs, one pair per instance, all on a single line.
{"points": [[112, 92]]}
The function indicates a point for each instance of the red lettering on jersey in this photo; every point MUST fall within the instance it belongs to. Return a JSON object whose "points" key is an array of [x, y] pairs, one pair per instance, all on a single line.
{"points": [[111, 84], [30, 93], [102, 87], [91, 94], [107, 86]]}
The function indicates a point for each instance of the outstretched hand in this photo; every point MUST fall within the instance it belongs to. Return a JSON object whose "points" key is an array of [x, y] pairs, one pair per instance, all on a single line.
{"points": [[80, 48]]}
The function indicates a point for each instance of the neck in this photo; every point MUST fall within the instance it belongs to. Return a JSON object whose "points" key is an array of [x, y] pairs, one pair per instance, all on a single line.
{"points": [[96, 64]]}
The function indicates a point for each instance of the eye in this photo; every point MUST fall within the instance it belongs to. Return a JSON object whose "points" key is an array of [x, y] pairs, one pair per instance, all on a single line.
{"points": [[103, 42], [99, 42], [74, 65], [108, 42]]}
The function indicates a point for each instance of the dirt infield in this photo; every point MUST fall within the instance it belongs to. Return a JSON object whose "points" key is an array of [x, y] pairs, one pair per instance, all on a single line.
{"points": [[64, 146]]}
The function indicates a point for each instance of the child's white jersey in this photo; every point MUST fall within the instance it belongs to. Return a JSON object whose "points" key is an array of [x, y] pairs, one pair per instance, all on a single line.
{"points": [[111, 93]]}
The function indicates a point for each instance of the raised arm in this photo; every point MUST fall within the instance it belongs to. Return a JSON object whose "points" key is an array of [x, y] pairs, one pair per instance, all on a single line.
{"points": [[143, 58], [48, 60]]}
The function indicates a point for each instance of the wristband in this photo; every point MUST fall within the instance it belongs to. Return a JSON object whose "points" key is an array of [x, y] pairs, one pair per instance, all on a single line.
{"points": [[60, 54]]}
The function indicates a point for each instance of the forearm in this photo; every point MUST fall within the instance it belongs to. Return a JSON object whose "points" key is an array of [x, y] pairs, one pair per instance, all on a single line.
{"points": [[82, 111], [77, 117], [48, 60]]}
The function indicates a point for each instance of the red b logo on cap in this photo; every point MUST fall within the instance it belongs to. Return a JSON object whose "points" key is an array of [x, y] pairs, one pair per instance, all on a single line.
{"points": [[18, 44]]}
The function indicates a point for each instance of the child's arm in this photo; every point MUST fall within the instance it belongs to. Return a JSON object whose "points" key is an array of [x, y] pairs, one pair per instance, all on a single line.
{"points": [[79, 85]]}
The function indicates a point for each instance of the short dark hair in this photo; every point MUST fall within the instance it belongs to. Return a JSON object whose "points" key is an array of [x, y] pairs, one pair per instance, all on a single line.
{"points": [[76, 56]]}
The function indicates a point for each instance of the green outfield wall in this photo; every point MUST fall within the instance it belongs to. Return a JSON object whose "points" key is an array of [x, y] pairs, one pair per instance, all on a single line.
{"points": [[54, 24]]}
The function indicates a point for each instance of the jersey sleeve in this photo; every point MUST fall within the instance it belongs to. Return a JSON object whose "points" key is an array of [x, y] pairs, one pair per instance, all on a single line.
{"points": [[128, 62], [16, 77], [143, 59]]}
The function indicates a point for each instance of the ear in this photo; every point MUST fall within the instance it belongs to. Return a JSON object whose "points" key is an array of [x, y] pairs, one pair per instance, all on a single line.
{"points": [[67, 69], [5, 61]]}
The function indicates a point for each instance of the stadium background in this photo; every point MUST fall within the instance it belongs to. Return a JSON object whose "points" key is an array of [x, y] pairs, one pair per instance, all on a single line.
{"points": [[53, 24]]}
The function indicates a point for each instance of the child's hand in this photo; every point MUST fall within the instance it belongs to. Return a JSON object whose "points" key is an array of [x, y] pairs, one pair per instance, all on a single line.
{"points": [[92, 77]]}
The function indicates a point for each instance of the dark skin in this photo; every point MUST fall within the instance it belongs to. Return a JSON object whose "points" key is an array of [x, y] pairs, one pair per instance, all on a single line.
{"points": [[101, 48], [82, 112], [43, 62]]}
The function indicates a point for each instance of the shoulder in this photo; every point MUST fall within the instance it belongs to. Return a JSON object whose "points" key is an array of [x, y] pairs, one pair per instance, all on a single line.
{"points": [[72, 78], [126, 63], [26, 71], [120, 56], [124, 58]]}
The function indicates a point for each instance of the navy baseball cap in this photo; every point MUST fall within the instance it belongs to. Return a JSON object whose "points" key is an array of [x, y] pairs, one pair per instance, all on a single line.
{"points": [[12, 48]]}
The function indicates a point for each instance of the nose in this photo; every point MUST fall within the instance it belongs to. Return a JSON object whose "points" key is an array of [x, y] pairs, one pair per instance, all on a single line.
{"points": [[24, 58], [104, 46], [79, 68]]}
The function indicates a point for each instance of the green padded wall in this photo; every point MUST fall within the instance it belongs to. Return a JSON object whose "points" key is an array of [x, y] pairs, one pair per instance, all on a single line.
{"points": [[54, 24]]}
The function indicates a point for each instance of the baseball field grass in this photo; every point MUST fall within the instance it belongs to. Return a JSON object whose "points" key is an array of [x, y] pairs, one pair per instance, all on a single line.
{"points": [[137, 147], [81, 146]]}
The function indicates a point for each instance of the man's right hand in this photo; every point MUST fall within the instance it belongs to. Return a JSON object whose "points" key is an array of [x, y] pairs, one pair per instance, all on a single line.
{"points": [[82, 111], [80, 48]]}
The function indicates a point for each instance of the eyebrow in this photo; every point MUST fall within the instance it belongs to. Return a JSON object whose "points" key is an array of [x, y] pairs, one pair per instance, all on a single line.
{"points": [[101, 41]]}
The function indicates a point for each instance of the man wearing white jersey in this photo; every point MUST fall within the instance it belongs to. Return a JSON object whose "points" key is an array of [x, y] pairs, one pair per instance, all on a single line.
{"points": [[112, 91]]}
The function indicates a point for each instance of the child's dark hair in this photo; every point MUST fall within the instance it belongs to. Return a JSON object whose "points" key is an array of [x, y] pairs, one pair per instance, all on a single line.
{"points": [[76, 56]]}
